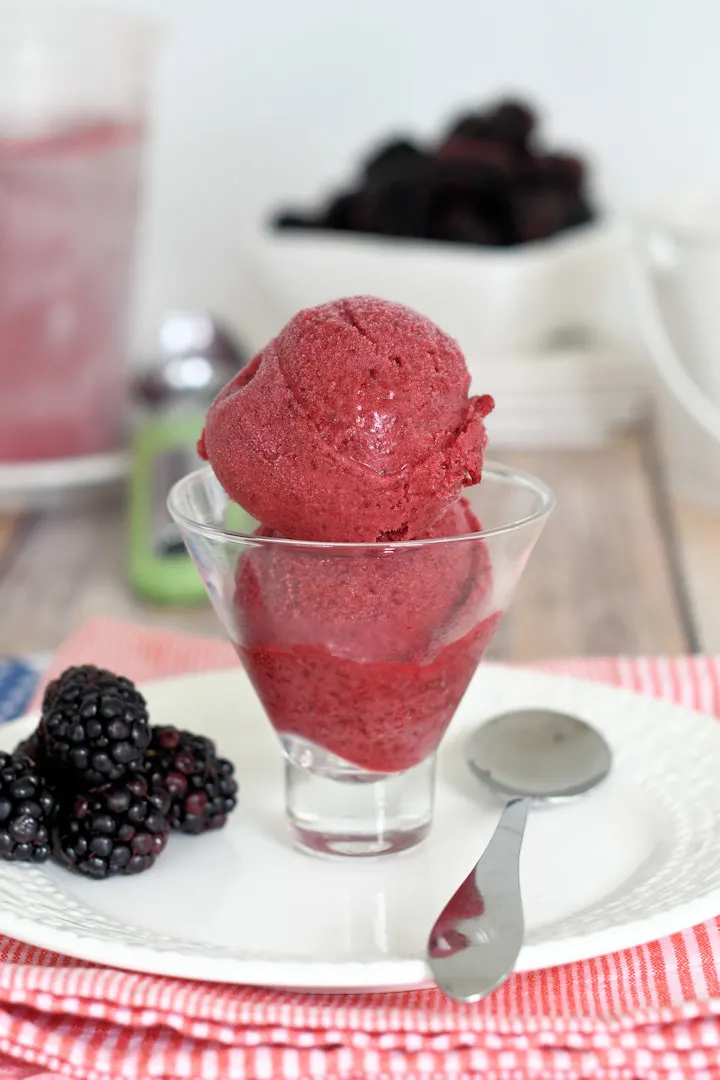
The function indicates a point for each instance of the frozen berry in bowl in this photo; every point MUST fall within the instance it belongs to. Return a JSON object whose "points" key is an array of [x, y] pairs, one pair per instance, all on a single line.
{"points": [[513, 121], [94, 727], [119, 829], [294, 221], [27, 808], [475, 125], [427, 189], [342, 212], [201, 785], [394, 160], [566, 171]]}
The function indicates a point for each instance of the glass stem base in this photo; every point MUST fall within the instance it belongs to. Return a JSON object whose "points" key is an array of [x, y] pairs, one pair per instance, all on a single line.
{"points": [[359, 813]]}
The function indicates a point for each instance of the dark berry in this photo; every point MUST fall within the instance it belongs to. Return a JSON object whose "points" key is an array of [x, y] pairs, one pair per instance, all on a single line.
{"points": [[562, 170], [120, 829], [196, 803], [472, 126], [466, 224], [289, 219], [200, 786], [488, 182], [394, 198], [34, 747], [27, 809], [539, 214], [580, 212], [513, 121], [119, 800], [30, 747], [176, 784], [119, 857], [344, 213], [142, 844], [101, 845], [94, 727], [474, 154], [166, 738], [398, 158], [401, 208]]}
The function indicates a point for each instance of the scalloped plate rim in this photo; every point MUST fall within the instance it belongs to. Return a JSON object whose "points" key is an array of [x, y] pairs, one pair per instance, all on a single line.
{"points": [[391, 973]]}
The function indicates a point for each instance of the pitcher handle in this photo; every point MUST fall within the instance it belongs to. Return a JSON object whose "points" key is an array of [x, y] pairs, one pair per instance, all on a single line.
{"points": [[660, 344]]}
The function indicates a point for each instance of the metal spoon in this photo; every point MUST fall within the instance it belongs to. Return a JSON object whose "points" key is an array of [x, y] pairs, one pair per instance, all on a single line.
{"points": [[533, 755]]}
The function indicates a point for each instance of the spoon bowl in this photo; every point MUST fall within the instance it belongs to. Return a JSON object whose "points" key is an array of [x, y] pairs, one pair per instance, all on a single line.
{"points": [[538, 754]]}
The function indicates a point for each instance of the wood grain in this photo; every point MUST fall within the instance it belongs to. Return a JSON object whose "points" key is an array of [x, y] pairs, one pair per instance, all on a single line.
{"points": [[70, 566], [698, 533], [601, 580], [9, 528]]}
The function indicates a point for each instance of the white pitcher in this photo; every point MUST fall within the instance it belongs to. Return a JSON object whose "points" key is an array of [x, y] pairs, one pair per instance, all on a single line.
{"points": [[678, 292]]}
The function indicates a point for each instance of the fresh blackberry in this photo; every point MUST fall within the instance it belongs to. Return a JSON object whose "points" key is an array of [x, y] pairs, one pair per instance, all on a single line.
{"points": [[32, 747], [202, 785], [27, 807], [119, 829], [95, 726], [514, 121]]}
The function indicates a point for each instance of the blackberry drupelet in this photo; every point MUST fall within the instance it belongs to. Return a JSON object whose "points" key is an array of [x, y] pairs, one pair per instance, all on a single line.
{"points": [[94, 726], [202, 785], [27, 807], [119, 829], [32, 747]]}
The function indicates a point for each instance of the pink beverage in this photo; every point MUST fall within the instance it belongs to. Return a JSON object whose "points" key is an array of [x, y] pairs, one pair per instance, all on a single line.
{"points": [[74, 93], [68, 206]]}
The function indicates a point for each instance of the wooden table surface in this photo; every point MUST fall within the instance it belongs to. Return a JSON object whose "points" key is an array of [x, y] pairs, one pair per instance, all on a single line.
{"points": [[621, 567]]}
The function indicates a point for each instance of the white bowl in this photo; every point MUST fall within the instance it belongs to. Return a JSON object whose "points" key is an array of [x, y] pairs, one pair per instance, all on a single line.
{"points": [[497, 302]]}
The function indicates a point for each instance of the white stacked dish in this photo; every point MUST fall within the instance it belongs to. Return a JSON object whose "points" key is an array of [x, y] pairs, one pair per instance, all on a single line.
{"points": [[548, 328], [575, 398]]}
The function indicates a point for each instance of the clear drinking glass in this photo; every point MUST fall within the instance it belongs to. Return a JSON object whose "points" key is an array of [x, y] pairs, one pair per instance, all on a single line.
{"points": [[73, 108], [360, 653]]}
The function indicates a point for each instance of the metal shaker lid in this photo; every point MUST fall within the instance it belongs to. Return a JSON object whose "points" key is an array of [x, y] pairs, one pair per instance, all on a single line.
{"points": [[195, 356]]}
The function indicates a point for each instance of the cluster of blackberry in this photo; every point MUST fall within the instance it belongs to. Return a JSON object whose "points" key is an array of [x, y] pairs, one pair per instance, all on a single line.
{"points": [[488, 180], [99, 788]]}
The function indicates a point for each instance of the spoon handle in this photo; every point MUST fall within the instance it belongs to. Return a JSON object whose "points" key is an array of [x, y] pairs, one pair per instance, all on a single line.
{"points": [[474, 944]]}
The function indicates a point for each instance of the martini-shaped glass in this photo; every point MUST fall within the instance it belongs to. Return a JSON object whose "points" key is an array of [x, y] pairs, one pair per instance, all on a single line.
{"points": [[361, 653]]}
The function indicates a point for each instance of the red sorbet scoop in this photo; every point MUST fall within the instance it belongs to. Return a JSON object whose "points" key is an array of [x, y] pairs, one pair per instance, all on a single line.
{"points": [[368, 654], [370, 606], [353, 424]]}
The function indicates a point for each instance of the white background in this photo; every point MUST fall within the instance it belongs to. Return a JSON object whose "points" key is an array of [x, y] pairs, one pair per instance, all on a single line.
{"points": [[266, 101]]}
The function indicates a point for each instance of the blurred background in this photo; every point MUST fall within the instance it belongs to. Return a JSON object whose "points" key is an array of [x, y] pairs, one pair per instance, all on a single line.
{"points": [[276, 103], [540, 179]]}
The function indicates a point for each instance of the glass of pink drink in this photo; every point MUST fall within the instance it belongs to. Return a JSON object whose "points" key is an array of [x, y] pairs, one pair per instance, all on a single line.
{"points": [[73, 97], [361, 653]]}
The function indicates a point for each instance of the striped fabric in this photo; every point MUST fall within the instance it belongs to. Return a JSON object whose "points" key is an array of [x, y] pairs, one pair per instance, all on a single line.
{"points": [[650, 1012]]}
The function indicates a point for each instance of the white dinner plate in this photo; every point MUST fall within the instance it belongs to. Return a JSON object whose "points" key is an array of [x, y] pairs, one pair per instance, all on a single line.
{"points": [[37, 484], [634, 860]]}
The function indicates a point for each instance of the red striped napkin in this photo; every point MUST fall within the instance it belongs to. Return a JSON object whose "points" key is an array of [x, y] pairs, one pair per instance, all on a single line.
{"points": [[651, 1012]]}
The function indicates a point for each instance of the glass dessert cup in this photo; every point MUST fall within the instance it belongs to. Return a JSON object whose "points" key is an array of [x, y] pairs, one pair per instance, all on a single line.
{"points": [[361, 653]]}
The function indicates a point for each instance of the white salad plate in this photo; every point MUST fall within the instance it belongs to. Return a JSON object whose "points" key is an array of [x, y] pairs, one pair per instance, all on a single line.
{"points": [[634, 860]]}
